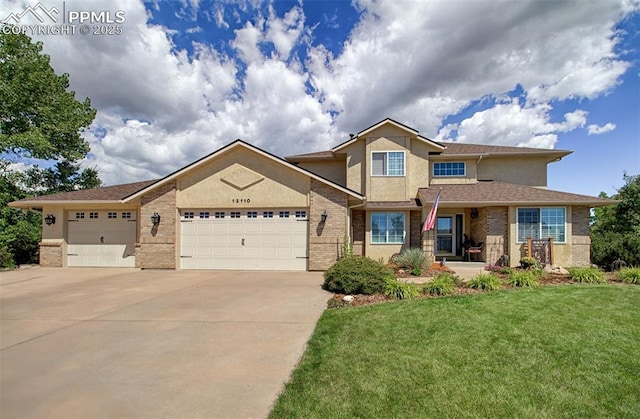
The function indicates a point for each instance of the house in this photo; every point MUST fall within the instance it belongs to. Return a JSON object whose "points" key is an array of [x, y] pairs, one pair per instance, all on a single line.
{"points": [[241, 207]]}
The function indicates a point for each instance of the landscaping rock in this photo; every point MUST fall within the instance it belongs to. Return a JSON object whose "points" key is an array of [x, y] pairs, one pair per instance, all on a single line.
{"points": [[347, 298]]}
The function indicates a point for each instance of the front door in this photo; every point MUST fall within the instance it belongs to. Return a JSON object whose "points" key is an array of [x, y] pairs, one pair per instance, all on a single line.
{"points": [[449, 230]]}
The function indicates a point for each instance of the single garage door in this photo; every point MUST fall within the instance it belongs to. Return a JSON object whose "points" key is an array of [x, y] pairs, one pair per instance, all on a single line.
{"points": [[101, 238], [244, 239]]}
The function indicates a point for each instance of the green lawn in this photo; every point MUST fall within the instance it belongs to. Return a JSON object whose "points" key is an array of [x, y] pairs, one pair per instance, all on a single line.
{"points": [[555, 351]]}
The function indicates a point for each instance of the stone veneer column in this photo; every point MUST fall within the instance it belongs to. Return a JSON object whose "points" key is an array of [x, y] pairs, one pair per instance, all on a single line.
{"points": [[580, 237], [415, 228], [358, 225], [157, 246], [325, 239], [51, 253], [497, 228]]}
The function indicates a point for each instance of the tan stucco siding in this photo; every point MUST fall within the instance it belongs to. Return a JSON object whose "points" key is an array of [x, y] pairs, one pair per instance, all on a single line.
{"points": [[562, 252], [470, 176], [387, 188], [377, 251], [335, 171], [417, 167], [244, 179], [522, 171]]}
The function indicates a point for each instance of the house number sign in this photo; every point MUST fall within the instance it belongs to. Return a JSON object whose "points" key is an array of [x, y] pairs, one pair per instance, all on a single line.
{"points": [[241, 201]]}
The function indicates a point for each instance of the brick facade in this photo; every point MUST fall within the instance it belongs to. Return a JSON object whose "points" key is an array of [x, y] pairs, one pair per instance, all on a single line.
{"points": [[157, 244], [478, 231], [325, 239], [581, 237], [51, 254]]}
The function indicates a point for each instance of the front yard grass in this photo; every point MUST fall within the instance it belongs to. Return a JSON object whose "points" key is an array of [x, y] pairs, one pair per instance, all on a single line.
{"points": [[559, 351]]}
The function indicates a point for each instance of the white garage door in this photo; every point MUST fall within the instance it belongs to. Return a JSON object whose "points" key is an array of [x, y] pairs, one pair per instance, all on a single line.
{"points": [[101, 238], [244, 239]]}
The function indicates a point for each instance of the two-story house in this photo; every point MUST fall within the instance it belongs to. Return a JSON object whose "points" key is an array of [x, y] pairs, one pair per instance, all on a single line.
{"points": [[243, 208]]}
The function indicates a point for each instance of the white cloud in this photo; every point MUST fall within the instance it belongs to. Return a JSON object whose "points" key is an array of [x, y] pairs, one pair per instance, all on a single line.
{"points": [[418, 62], [594, 129]]}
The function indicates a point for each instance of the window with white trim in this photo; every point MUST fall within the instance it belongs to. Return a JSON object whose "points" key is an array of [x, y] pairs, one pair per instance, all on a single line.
{"points": [[112, 215], [93, 215], [301, 214], [387, 227], [387, 163], [127, 215], [267, 214], [252, 214], [455, 168], [541, 223], [186, 215], [218, 214], [203, 214], [283, 214], [79, 215], [235, 214]]}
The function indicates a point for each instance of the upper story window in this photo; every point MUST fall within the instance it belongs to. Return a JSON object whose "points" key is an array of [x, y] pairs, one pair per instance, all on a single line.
{"points": [[540, 223], [456, 168], [387, 163]]}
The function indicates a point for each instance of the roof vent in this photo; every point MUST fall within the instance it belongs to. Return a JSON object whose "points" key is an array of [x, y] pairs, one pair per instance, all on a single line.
{"points": [[351, 136]]}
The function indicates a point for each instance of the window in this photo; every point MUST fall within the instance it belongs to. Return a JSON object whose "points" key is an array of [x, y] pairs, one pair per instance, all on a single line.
{"points": [[186, 215], [388, 163], [540, 223], [93, 215], [79, 215], [204, 214], [128, 215], [267, 214], [387, 227], [218, 214], [112, 215], [235, 214], [252, 214], [284, 214], [449, 169], [301, 214]]}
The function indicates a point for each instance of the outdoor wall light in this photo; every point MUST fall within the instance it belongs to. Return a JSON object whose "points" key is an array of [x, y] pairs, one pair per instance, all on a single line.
{"points": [[323, 216], [474, 212], [50, 219], [155, 218]]}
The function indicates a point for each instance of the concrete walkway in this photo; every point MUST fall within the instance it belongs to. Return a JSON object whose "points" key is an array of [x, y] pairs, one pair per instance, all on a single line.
{"points": [[127, 343]]}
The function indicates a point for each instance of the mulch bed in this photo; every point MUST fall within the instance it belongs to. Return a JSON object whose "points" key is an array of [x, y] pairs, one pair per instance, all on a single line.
{"points": [[547, 280]]}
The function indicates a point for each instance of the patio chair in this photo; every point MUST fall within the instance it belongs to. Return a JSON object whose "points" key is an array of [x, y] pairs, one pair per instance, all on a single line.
{"points": [[474, 250]]}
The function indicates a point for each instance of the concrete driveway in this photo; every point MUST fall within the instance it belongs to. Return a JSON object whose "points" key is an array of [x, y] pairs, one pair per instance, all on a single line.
{"points": [[128, 343]]}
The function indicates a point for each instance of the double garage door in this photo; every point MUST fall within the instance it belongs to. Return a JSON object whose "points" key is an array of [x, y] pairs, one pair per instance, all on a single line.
{"points": [[244, 239], [101, 238]]}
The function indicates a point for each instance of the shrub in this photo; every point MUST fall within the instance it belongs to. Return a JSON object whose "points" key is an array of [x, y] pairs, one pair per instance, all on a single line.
{"points": [[6, 258], [442, 284], [629, 275], [413, 258], [528, 262], [400, 290], [416, 271], [587, 275], [487, 282], [505, 270], [356, 275], [523, 279]]}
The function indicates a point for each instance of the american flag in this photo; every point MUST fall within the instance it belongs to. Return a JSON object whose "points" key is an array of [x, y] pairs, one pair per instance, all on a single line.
{"points": [[430, 222]]}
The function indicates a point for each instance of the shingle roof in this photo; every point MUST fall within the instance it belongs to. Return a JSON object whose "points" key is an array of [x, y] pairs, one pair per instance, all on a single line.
{"points": [[411, 204], [488, 193], [107, 193], [465, 148], [453, 149]]}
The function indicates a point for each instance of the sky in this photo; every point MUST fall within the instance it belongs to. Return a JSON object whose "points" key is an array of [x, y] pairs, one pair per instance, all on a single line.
{"points": [[176, 80]]}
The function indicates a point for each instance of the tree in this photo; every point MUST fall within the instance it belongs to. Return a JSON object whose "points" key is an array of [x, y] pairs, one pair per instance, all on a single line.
{"points": [[63, 177], [38, 117], [615, 230]]}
